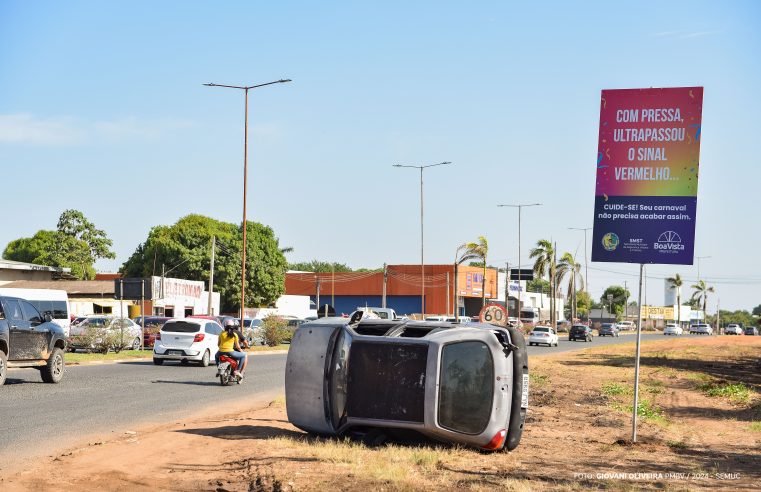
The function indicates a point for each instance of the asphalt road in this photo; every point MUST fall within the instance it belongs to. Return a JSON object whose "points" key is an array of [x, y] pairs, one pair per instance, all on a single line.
{"points": [[105, 398]]}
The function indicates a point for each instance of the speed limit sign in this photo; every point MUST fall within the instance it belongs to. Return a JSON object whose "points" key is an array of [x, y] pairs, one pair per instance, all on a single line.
{"points": [[494, 314]]}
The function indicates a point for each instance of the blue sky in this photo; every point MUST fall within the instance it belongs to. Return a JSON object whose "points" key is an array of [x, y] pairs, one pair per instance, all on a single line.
{"points": [[102, 109]]}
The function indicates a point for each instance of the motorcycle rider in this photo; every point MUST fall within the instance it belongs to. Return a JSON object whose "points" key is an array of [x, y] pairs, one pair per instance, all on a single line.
{"points": [[229, 343]]}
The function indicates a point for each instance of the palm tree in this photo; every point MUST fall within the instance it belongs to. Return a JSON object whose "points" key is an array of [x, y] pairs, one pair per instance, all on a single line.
{"points": [[676, 284], [462, 255], [568, 266], [479, 250], [544, 263], [701, 295]]}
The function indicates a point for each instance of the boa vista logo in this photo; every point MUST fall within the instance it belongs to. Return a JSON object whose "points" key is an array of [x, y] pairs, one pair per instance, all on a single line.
{"points": [[669, 241], [610, 241]]}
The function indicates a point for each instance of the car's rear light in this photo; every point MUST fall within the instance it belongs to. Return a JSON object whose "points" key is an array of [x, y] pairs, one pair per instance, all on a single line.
{"points": [[198, 337], [158, 336], [497, 441]]}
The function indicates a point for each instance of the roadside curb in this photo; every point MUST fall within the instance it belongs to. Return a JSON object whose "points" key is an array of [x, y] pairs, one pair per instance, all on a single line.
{"points": [[140, 359]]}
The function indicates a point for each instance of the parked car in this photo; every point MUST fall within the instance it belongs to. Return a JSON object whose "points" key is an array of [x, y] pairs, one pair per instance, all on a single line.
{"points": [[187, 340], [608, 330], [29, 339], [253, 331], [543, 335], [293, 324], [626, 325], [464, 384], [751, 330], [701, 329], [672, 329], [733, 329], [104, 333], [580, 332], [152, 326]]}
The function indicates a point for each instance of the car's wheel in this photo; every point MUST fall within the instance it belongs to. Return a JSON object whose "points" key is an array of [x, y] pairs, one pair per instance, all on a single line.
{"points": [[3, 367], [157, 362], [52, 371], [136, 344], [205, 359]]}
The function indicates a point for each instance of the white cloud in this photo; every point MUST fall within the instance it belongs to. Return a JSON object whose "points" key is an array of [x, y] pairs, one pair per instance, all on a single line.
{"points": [[28, 129]]}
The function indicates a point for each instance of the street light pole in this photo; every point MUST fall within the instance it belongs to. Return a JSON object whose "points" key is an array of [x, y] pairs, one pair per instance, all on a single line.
{"points": [[700, 258], [586, 261], [518, 263], [245, 89], [422, 257]]}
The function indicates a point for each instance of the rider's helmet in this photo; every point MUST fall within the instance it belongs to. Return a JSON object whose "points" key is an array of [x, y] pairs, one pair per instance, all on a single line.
{"points": [[230, 324]]}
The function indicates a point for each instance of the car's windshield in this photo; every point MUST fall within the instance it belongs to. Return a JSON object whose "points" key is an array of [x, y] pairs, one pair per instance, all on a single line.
{"points": [[181, 327], [95, 322]]}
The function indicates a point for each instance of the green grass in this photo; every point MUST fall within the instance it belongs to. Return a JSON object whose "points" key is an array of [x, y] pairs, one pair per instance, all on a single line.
{"points": [[616, 389], [539, 380], [755, 426], [676, 444], [735, 392]]}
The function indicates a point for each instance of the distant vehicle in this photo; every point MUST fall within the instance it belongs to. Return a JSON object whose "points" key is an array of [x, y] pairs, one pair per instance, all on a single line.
{"points": [[293, 324], [751, 330], [253, 331], [543, 335], [701, 329], [626, 325], [117, 334], [383, 313], [47, 301], [464, 384], [187, 340], [30, 339], [608, 330], [733, 329], [580, 332], [672, 329], [530, 315]]}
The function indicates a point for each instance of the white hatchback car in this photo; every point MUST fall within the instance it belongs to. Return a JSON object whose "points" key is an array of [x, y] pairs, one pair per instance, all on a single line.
{"points": [[733, 329], [543, 335], [701, 329], [187, 340], [672, 329]]}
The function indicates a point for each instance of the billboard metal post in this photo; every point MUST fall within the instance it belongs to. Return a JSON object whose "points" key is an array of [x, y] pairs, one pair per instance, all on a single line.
{"points": [[636, 358]]}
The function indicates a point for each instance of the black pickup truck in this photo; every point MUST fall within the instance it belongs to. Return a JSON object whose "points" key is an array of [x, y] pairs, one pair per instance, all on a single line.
{"points": [[27, 339]]}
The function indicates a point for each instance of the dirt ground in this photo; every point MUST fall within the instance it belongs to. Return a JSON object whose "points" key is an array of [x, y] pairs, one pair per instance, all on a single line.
{"points": [[577, 437]]}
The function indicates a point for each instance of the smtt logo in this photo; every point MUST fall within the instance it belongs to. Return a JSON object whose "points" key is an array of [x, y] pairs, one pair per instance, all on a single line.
{"points": [[669, 241], [610, 241]]}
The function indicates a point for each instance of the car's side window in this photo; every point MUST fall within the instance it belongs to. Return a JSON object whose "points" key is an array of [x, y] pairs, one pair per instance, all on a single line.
{"points": [[14, 310], [30, 312]]}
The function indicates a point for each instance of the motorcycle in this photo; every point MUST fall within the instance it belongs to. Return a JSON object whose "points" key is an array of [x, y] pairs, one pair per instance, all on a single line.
{"points": [[226, 371]]}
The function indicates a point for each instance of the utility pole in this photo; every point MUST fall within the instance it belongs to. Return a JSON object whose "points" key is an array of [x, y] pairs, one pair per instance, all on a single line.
{"points": [[333, 285], [142, 312], [211, 275], [626, 301], [385, 280], [317, 279], [507, 289], [447, 293]]}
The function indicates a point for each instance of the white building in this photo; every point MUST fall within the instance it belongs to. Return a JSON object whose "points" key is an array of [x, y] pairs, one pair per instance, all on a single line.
{"points": [[529, 300]]}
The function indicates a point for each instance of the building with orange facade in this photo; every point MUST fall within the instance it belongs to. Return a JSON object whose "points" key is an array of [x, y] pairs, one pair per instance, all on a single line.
{"points": [[400, 287]]}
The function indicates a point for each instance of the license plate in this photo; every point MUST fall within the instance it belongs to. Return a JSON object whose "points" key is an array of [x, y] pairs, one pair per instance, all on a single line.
{"points": [[524, 393], [174, 352]]}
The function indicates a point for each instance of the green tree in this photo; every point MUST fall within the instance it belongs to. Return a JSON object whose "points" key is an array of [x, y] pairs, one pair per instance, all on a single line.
{"points": [[700, 294], [757, 310], [538, 285], [570, 268], [319, 266], [544, 264], [583, 303], [184, 251], [480, 250], [76, 244], [618, 303], [676, 284]]}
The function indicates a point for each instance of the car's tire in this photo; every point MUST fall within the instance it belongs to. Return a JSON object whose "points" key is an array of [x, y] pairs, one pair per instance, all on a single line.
{"points": [[205, 359], [52, 371], [158, 362], [3, 367], [136, 344]]}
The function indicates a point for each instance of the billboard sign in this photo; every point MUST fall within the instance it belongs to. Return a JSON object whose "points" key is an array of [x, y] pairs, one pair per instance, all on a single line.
{"points": [[647, 175]]}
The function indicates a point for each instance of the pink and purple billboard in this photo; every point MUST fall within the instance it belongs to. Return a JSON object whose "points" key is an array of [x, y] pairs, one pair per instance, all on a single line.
{"points": [[647, 175]]}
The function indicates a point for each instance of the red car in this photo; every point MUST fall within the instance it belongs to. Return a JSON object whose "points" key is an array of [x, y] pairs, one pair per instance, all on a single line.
{"points": [[152, 326]]}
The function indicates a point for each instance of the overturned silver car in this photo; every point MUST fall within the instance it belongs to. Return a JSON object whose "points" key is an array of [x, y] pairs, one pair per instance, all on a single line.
{"points": [[464, 383]]}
